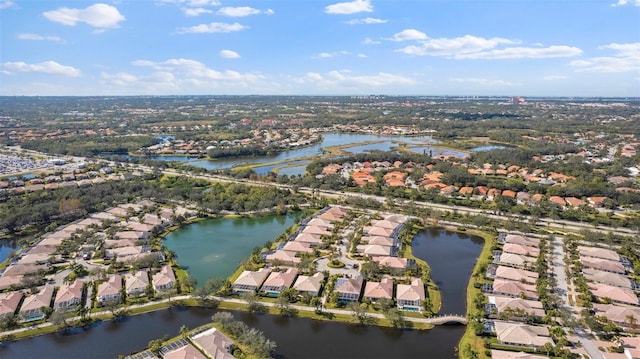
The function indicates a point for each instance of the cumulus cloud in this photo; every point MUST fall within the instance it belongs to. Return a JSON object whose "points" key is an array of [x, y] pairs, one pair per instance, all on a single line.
{"points": [[36, 37], [409, 34], [626, 58], [5, 4], [453, 47], [193, 7], [242, 11], [229, 54], [193, 70], [351, 7], [485, 82], [102, 16], [328, 55], [366, 21], [212, 28], [523, 53], [344, 79], [196, 11], [370, 41], [47, 67], [627, 2]]}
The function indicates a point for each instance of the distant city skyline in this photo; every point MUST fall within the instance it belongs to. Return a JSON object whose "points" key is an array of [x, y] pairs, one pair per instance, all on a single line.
{"points": [[289, 47]]}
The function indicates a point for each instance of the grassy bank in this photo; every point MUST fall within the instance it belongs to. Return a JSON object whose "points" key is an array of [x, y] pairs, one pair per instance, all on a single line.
{"points": [[469, 339]]}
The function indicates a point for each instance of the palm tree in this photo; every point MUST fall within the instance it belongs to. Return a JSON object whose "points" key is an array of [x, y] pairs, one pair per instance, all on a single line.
{"points": [[632, 321]]}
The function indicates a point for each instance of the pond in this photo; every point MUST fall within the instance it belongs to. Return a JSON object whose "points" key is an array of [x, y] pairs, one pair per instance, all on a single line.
{"points": [[7, 246], [214, 247]]}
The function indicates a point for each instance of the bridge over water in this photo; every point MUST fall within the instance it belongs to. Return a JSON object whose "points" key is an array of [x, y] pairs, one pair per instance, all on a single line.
{"points": [[448, 319]]}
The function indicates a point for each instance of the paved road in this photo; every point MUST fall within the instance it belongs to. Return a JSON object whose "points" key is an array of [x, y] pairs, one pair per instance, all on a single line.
{"points": [[562, 289]]}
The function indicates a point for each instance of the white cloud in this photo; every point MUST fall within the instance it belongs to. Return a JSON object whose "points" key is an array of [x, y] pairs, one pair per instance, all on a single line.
{"points": [[229, 54], [453, 47], [47, 67], [626, 2], [366, 21], [196, 11], [212, 28], [239, 11], [36, 37], [5, 4], [625, 59], [485, 82], [343, 79], [523, 53], [102, 16], [555, 77], [328, 55], [352, 7], [362, 56], [409, 34], [195, 71], [369, 41]]}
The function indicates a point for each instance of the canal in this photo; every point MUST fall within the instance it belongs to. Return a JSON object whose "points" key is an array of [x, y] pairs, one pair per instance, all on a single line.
{"points": [[450, 255]]}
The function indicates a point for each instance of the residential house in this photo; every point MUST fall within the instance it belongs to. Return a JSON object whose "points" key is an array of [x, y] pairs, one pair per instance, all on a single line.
{"points": [[503, 354], [602, 265], [136, 283], [110, 290], [310, 285], [516, 274], [521, 249], [213, 343], [632, 347], [69, 295], [31, 308], [411, 296], [374, 291], [600, 253], [527, 307], [613, 279], [349, 289], [396, 263], [164, 280], [280, 257], [9, 303], [374, 250], [250, 281], [322, 231], [314, 240], [515, 260], [276, 282], [627, 317], [176, 351], [615, 294], [522, 240], [297, 247], [514, 289], [520, 334]]}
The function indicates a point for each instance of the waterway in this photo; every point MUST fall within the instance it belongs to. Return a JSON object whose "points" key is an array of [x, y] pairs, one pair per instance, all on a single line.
{"points": [[450, 255], [214, 247]]}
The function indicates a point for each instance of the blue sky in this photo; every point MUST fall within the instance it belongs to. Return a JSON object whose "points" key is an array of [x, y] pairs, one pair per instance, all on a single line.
{"points": [[314, 47]]}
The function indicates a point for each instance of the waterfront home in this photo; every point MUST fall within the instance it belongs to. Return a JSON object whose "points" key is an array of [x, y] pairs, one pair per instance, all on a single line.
{"points": [[313, 240], [276, 282], [601, 253], [250, 281], [523, 240], [349, 289], [523, 335], [297, 247], [69, 295], [613, 279], [615, 294], [622, 316], [119, 243], [503, 354], [411, 296], [514, 260], [516, 274], [181, 349], [164, 280], [378, 231], [282, 257], [333, 214], [310, 285], [109, 290], [319, 222], [602, 264], [394, 263], [132, 235], [136, 283], [378, 240], [521, 249], [374, 291], [11, 281], [514, 289], [213, 343], [322, 231], [9, 303], [515, 305], [373, 250], [32, 306]]}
